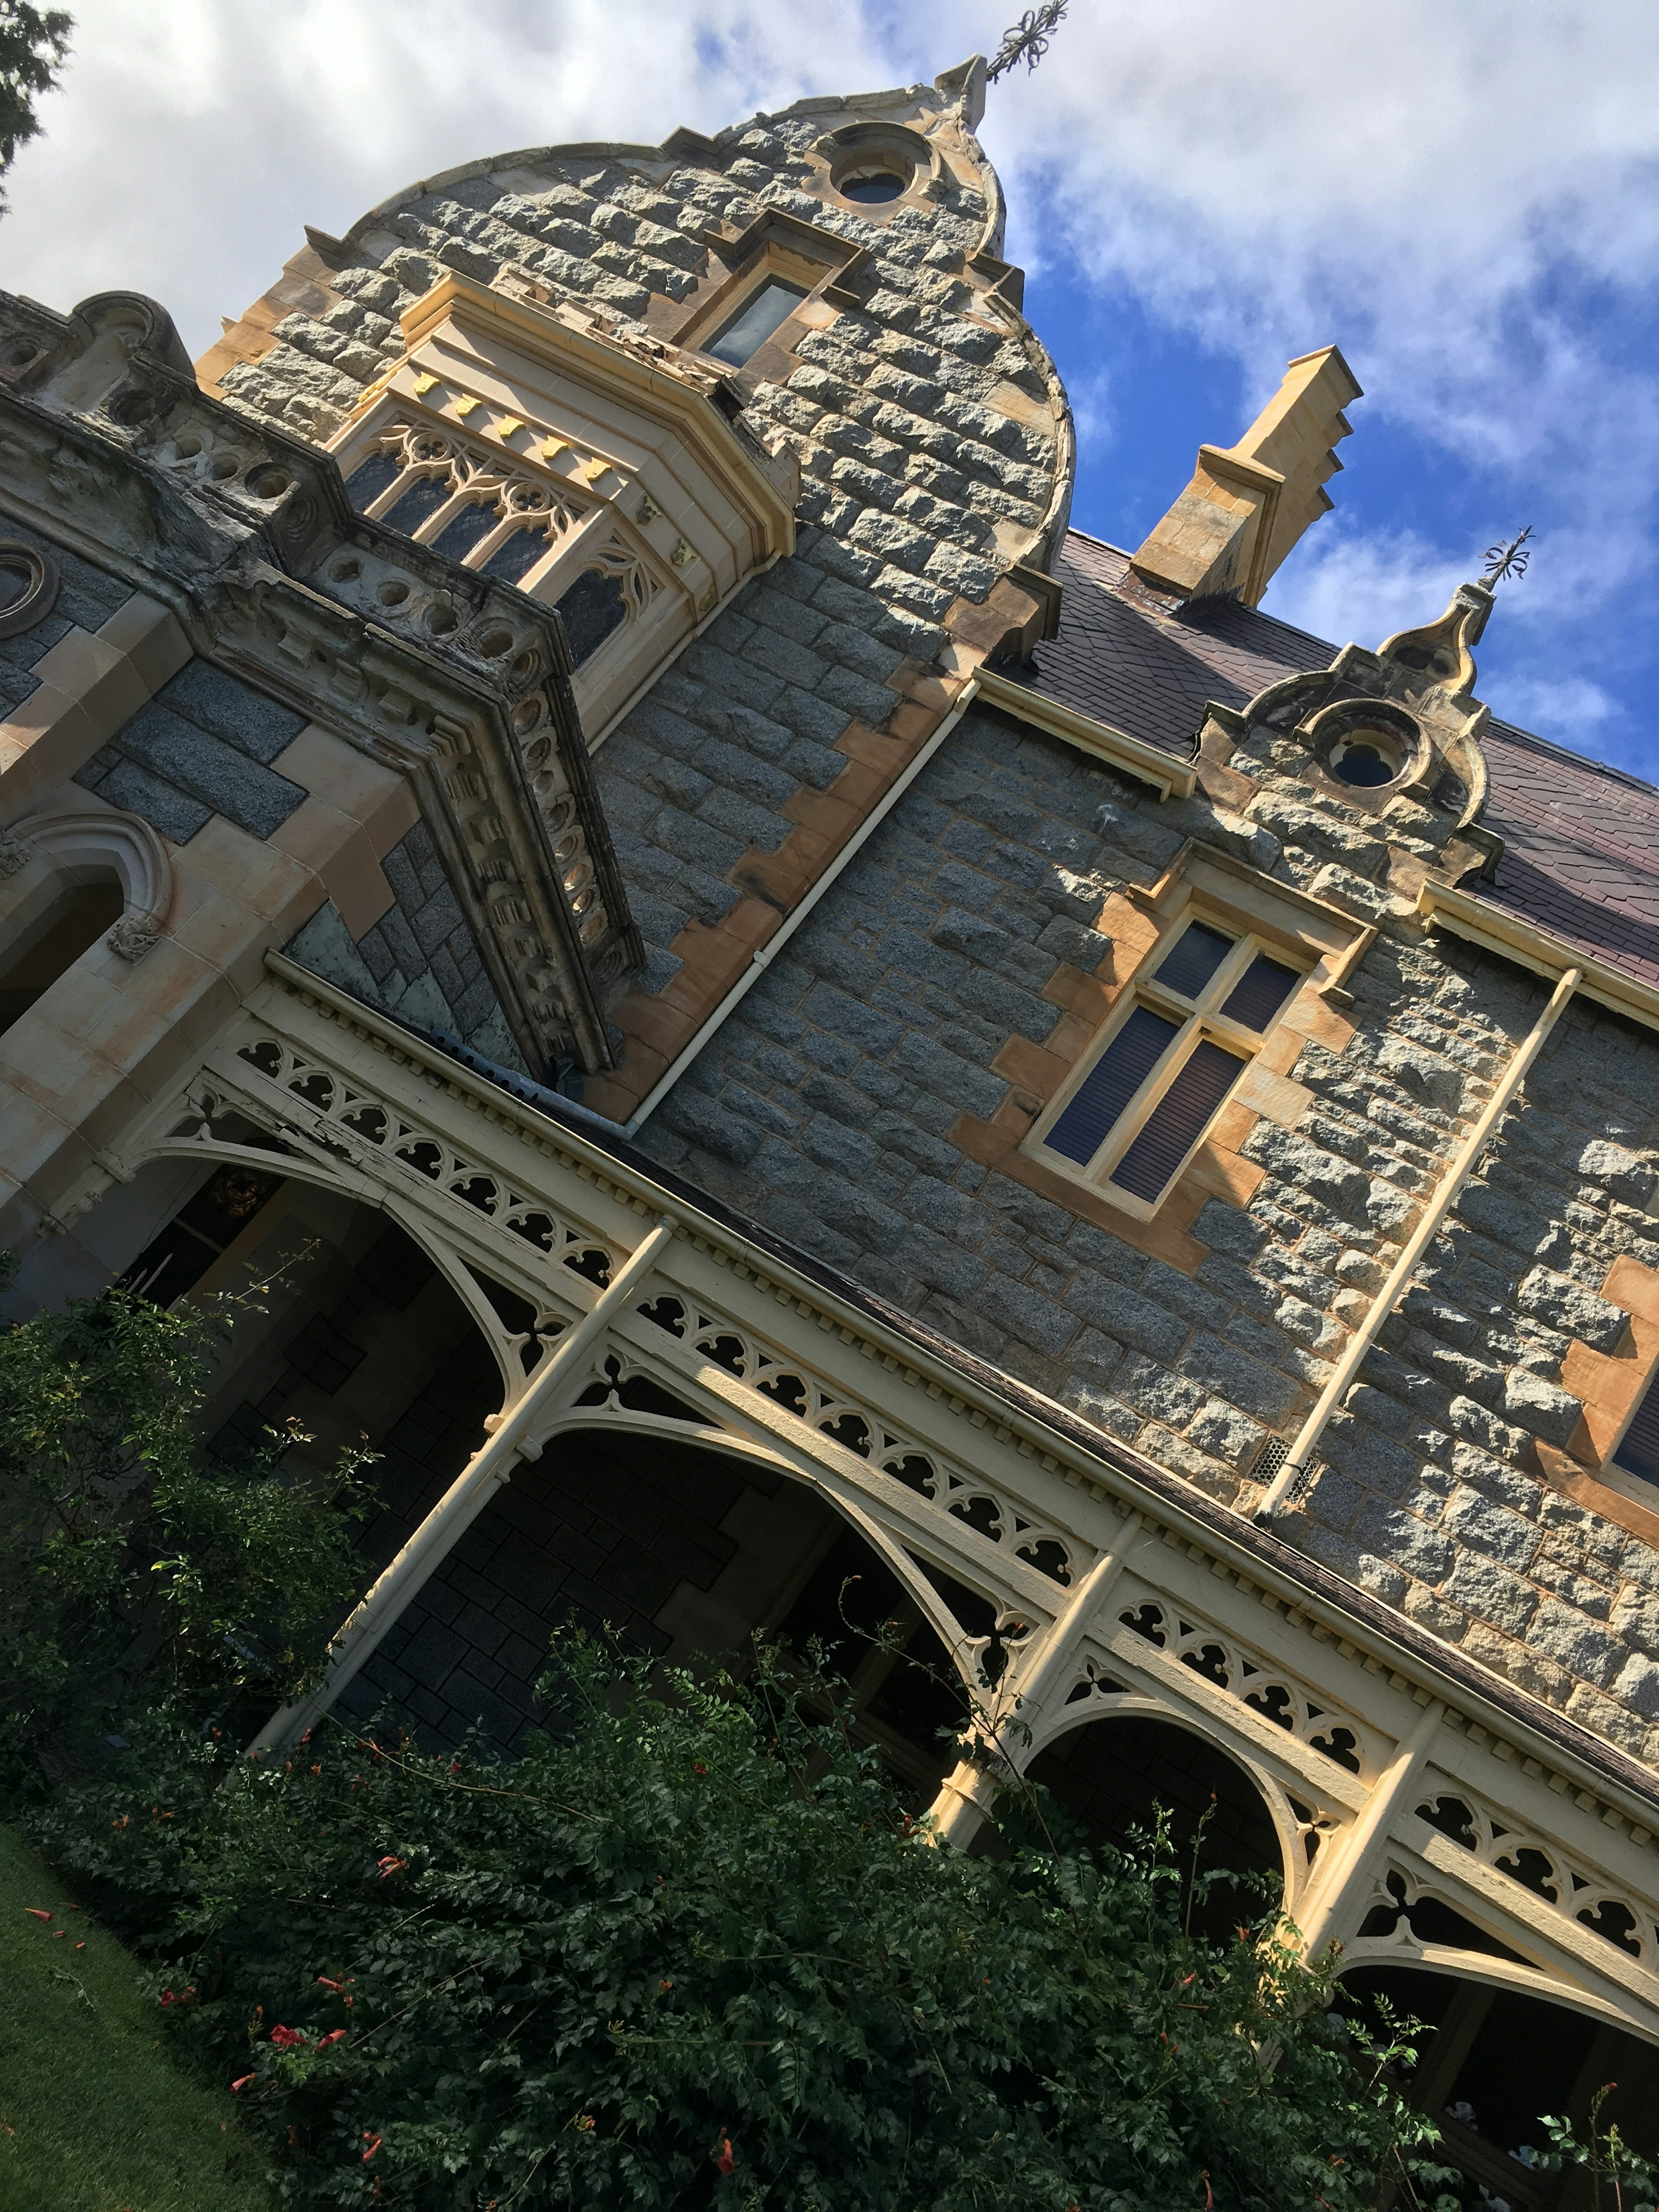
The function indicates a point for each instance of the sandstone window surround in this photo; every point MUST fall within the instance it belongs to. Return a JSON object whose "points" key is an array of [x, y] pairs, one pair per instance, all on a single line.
{"points": [[1221, 954], [1606, 1461], [600, 475]]}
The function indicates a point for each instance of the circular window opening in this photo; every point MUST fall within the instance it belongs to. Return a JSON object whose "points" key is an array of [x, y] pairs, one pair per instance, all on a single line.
{"points": [[872, 187], [1366, 759]]}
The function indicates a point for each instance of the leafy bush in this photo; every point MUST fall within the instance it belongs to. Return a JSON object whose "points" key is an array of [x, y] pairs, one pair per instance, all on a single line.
{"points": [[131, 1568], [691, 1952]]}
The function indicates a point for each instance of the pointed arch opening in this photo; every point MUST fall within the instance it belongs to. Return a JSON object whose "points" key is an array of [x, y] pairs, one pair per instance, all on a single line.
{"points": [[685, 1550], [1115, 1777], [1492, 2061]]}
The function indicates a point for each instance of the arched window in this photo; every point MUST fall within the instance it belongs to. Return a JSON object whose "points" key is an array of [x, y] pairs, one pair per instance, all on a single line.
{"points": [[54, 939]]}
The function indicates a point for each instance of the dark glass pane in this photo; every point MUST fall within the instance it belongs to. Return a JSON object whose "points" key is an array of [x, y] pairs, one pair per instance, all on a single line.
{"points": [[1111, 1083], [1178, 1121], [370, 479], [226, 1202], [1364, 766], [1639, 1452], [463, 531], [1192, 959], [515, 557], [755, 322], [590, 611], [1260, 993], [203, 1227], [74, 922], [872, 190], [418, 504]]}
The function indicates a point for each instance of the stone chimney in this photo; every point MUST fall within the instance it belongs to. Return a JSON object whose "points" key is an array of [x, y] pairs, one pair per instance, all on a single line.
{"points": [[1248, 504]]}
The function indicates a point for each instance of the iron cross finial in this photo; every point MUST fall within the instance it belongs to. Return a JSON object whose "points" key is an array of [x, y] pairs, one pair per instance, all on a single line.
{"points": [[1509, 560], [1027, 41]]}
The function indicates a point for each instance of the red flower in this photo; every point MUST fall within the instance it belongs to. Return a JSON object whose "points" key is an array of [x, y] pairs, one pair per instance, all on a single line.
{"points": [[333, 2036], [36, 1912], [391, 1864], [724, 2160], [374, 2143], [285, 2038], [699, 1768], [167, 1997], [329, 1984], [242, 2084]]}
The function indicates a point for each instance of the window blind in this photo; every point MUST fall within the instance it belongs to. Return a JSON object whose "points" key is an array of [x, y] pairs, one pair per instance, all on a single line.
{"points": [[1178, 1120]]}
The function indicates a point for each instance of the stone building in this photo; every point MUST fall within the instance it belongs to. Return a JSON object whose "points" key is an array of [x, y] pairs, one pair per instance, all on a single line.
{"points": [[574, 808]]}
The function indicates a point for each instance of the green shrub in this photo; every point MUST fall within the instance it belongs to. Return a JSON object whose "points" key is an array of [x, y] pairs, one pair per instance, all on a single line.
{"points": [[690, 1952], [132, 1568]]}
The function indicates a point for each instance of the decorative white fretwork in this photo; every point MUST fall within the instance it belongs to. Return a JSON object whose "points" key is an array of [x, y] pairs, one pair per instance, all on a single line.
{"points": [[1257, 1682], [1545, 1870], [354, 1124], [773, 1375]]}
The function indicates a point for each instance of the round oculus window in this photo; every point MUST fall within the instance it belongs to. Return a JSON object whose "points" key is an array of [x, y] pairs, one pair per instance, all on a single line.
{"points": [[1366, 759], [873, 187]]}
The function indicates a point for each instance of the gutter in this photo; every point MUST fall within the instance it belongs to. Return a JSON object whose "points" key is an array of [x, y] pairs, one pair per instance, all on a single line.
{"points": [[765, 954], [1170, 777], [1497, 930]]}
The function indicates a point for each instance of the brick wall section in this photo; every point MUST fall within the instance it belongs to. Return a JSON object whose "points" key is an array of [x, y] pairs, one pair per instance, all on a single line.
{"points": [[827, 1107], [201, 746], [87, 598], [922, 433]]}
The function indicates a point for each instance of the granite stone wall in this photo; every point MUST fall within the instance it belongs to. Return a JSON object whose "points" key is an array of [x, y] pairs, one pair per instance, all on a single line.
{"points": [[201, 746], [420, 961], [825, 1106], [924, 436], [87, 597]]}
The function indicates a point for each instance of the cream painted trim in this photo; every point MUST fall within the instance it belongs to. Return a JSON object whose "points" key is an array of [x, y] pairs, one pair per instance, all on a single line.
{"points": [[1508, 935], [1170, 778], [960, 1393]]}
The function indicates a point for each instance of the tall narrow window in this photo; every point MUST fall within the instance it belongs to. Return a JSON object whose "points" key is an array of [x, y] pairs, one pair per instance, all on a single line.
{"points": [[1638, 1451], [761, 314], [1196, 1018], [77, 919]]}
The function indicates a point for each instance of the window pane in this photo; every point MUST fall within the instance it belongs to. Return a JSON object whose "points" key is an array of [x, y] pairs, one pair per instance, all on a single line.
{"points": [[1639, 1452], [370, 477], [463, 532], [1192, 959], [514, 556], [1178, 1121], [755, 322], [1260, 993], [418, 504], [1111, 1083], [590, 611]]}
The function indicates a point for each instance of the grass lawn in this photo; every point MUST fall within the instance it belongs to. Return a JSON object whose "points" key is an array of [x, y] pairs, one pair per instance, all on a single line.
{"points": [[95, 2116]]}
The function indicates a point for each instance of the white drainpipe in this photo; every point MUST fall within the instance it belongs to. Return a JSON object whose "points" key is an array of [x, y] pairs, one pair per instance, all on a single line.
{"points": [[1428, 1228], [768, 952], [490, 1465]]}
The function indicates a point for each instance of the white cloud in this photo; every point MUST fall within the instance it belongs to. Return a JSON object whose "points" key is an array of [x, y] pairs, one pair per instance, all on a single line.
{"points": [[1464, 197]]}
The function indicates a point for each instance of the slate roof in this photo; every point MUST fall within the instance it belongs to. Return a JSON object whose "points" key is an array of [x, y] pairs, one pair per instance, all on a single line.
{"points": [[1581, 840]]}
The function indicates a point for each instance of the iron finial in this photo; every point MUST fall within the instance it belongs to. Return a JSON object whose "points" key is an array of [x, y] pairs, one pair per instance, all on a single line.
{"points": [[1509, 560], [1027, 41]]}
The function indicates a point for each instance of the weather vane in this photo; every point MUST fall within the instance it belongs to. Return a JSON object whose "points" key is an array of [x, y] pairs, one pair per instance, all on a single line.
{"points": [[1027, 41], [1509, 560]]}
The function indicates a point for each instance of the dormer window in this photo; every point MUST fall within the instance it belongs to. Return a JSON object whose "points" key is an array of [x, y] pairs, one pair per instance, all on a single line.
{"points": [[766, 310], [598, 475], [1140, 1106]]}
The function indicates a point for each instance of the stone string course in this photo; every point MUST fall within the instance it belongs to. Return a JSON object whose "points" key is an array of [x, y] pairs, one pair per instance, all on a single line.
{"points": [[824, 1104], [912, 464]]}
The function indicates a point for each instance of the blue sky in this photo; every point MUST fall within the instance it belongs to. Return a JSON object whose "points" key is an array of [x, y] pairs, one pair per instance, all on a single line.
{"points": [[1461, 196]]}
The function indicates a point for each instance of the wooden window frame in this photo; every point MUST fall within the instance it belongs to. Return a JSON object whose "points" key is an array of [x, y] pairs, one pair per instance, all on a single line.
{"points": [[1204, 885], [1199, 1019]]}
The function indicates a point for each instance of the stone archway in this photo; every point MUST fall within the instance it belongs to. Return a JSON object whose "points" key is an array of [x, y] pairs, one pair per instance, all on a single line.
{"points": [[1113, 1775], [1496, 2059]]}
